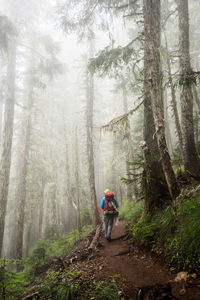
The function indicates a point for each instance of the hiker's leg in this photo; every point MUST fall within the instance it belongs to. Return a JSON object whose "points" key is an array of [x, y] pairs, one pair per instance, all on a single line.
{"points": [[110, 225], [106, 220]]}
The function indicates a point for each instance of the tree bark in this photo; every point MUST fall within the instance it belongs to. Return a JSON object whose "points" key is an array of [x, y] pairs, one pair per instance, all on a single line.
{"points": [[173, 100], [130, 169], [196, 96], [21, 192], [7, 135], [167, 127], [154, 73], [90, 150], [69, 200], [77, 183], [190, 157], [155, 185]]}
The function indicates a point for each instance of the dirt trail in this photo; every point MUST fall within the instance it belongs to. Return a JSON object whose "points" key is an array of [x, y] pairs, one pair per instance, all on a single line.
{"points": [[132, 269], [138, 268]]}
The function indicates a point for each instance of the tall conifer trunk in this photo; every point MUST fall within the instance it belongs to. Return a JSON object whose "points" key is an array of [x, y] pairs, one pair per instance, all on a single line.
{"points": [[90, 150], [77, 180], [156, 190], [7, 136], [173, 101], [130, 169], [190, 156], [21, 192], [154, 78]]}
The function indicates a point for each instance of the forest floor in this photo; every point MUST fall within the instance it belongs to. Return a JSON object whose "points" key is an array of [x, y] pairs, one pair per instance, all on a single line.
{"points": [[135, 271]]}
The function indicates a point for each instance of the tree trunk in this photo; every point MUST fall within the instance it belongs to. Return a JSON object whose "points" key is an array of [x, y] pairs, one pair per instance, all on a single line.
{"points": [[173, 100], [77, 183], [90, 150], [1, 113], [41, 208], [7, 135], [167, 127], [69, 200], [196, 126], [130, 169], [155, 185], [154, 73], [190, 156], [21, 192], [196, 96]]}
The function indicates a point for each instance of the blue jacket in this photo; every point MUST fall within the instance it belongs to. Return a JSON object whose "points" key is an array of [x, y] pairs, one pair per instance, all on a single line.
{"points": [[103, 202]]}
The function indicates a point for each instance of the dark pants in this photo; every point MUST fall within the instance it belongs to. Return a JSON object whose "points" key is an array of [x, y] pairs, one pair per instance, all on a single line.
{"points": [[108, 225]]}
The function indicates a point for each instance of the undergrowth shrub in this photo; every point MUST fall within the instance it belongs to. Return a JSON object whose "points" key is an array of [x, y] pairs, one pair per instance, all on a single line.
{"points": [[38, 260], [86, 217], [56, 287], [131, 211], [189, 230], [12, 284], [165, 221], [174, 231], [144, 231], [101, 290]]}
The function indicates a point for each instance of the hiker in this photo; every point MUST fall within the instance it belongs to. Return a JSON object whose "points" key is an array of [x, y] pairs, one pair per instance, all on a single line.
{"points": [[109, 205]]}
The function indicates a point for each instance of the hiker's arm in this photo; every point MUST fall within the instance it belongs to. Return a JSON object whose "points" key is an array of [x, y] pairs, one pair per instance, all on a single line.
{"points": [[102, 203]]}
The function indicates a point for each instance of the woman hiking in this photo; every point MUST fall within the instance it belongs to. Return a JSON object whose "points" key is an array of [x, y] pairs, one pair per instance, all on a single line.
{"points": [[109, 205]]}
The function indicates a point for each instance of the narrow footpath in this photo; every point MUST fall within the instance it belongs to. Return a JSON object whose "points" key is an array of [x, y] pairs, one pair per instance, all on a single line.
{"points": [[137, 274]]}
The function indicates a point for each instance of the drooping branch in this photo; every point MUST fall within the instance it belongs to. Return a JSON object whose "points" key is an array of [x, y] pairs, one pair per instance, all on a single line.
{"points": [[108, 59], [121, 118]]}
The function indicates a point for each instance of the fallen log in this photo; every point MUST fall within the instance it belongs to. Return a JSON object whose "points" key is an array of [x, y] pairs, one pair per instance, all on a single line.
{"points": [[95, 240]]}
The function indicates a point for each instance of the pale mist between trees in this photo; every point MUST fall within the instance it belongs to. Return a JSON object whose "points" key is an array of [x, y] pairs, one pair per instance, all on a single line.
{"points": [[94, 95]]}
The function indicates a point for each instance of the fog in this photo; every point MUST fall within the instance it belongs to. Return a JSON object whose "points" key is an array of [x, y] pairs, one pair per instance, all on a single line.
{"points": [[69, 122]]}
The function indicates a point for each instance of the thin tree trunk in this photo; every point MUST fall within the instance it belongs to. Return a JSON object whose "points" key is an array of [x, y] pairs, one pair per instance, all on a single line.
{"points": [[152, 46], [90, 150], [69, 200], [130, 169], [7, 136], [1, 114], [21, 193], [196, 126], [190, 156], [196, 96], [41, 208], [77, 183], [173, 100], [167, 128]]}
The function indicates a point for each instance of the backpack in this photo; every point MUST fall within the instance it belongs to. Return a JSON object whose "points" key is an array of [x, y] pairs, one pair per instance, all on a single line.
{"points": [[110, 206]]}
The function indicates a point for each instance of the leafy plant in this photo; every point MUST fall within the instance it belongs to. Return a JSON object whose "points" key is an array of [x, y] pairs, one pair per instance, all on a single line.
{"points": [[12, 284], [102, 291], [55, 286], [86, 218], [131, 211]]}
